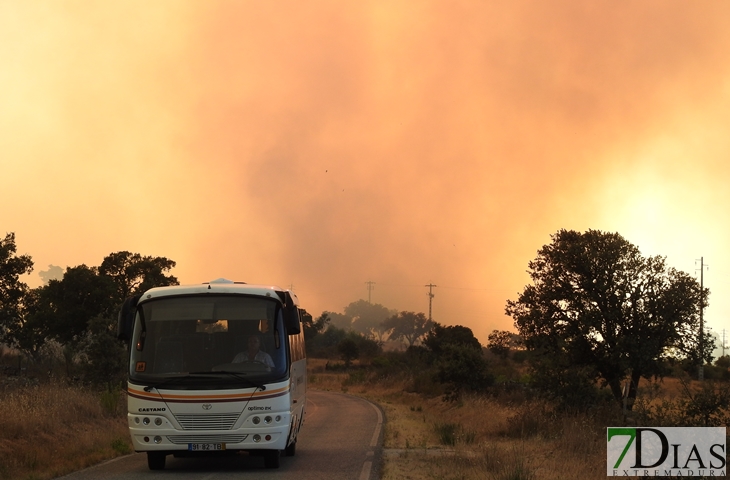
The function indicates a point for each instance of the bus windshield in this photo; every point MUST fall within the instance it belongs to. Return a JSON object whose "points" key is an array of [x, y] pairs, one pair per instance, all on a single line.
{"points": [[226, 339]]}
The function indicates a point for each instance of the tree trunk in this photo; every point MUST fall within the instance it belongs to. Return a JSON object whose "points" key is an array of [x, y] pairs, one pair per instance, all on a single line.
{"points": [[615, 385], [633, 390]]}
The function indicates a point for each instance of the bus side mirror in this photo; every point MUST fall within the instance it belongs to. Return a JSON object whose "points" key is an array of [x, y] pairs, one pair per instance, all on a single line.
{"points": [[291, 316], [125, 321]]}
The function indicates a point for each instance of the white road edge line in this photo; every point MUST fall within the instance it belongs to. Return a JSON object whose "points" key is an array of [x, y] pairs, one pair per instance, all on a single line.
{"points": [[368, 465], [376, 433], [365, 473]]}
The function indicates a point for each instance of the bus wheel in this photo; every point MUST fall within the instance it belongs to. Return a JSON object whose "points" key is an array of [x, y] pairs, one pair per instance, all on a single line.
{"points": [[156, 460], [291, 450], [272, 459]]}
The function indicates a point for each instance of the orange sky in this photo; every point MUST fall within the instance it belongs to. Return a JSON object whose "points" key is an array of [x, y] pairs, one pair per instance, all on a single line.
{"points": [[327, 144]]}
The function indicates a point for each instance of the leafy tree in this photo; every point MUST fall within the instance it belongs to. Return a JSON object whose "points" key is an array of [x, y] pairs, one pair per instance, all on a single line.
{"points": [[63, 309], [348, 350], [462, 367], [407, 326], [499, 342], [29, 333], [340, 320], [312, 327], [103, 357], [440, 336], [598, 305], [324, 344], [692, 356], [12, 290], [134, 274], [367, 347], [723, 362], [367, 317], [379, 334], [457, 359]]}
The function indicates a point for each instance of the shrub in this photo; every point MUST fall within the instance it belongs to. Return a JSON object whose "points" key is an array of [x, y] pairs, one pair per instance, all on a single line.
{"points": [[569, 387], [706, 406], [446, 433], [121, 446], [462, 368], [453, 433], [348, 350]]}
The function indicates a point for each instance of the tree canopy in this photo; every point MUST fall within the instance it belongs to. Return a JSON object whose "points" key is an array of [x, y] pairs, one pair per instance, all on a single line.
{"points": [[12, 290], [500, 342], [78, 310], [133, 274], [407, 326], [367, 318], [457, 358], [441, 335], [63, 309], [313, 327], [339, 320], [596, 304]]}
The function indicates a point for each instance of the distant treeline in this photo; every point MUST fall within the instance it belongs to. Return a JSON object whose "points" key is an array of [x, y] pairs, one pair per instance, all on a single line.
{"points": [[595, 319], [74, 318]]}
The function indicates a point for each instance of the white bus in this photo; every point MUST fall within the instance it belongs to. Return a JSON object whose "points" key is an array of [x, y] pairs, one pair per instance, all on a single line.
{"points": [[214, 368]]}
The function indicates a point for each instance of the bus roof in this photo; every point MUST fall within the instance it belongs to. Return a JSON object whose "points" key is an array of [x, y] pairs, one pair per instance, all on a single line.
{"points": [[219, 286]]}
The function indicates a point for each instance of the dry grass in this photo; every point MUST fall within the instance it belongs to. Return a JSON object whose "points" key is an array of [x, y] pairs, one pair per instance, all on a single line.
{"points": [[488, 440], [478, 437], [50, 430]]}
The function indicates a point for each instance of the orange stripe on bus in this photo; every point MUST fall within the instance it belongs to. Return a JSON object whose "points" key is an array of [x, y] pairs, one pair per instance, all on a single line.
{"points": [[223, 397]]}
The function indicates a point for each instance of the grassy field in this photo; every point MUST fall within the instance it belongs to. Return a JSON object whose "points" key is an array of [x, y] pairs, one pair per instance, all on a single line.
{"points": [[48, 430], [477, 437]]}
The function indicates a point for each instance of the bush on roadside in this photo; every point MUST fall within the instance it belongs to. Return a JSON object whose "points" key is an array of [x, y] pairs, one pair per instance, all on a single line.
{"points": [[462, 368], [705, 406]]}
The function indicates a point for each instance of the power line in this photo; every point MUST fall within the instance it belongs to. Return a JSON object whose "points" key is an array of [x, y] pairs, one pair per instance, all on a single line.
{"points": [[440, 286]]}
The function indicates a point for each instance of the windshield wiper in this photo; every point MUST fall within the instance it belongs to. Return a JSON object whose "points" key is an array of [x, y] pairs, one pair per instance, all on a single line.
{"points": [[166, 381]]}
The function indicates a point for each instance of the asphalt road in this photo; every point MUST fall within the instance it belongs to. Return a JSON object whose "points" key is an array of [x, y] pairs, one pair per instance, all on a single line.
{"points": [[341, 439]]}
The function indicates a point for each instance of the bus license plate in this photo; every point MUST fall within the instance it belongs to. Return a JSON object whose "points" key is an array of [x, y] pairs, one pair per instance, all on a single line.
{"points": [[206, 447]]}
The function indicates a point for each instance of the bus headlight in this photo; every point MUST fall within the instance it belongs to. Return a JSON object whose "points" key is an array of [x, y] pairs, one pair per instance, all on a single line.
{"points": [[158, 421], [257, 438], [145, 421], [267, 419], [256, 420]]}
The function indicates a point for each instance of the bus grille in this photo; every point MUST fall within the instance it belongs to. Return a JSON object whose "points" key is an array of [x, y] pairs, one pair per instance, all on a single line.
{"points": [[183, 439], [219, 421]]}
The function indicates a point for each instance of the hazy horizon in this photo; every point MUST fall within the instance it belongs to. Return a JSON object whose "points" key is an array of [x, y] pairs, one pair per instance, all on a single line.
{"points": [[324, 145]]}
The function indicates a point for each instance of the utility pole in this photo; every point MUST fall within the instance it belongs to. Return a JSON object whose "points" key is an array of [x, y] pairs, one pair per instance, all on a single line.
{"points": [[430, 298], [701, 368], [723, 342], [371, 287]]}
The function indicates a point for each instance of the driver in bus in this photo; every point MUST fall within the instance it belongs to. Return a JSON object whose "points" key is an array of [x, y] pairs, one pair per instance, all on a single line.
{"points": [[254, 353]]}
